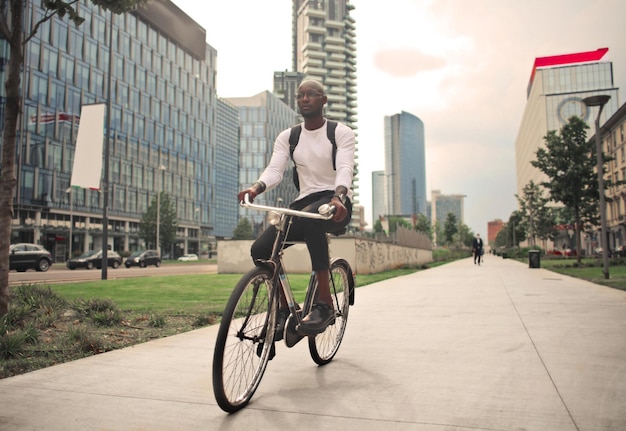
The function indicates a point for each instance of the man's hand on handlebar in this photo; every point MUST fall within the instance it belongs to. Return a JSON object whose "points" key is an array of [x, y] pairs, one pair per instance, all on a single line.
{"points": [[251, 192], [340, 210]]}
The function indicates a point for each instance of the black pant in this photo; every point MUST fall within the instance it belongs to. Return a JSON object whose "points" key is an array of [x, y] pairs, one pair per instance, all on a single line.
{"points": [[477, 254], [311, 231]]}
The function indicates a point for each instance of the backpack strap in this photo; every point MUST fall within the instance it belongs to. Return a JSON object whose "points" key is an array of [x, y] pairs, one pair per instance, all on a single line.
{"points": [[330, 134], [294, 137]]}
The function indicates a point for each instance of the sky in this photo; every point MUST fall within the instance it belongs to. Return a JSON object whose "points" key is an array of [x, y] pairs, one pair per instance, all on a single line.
{"points": [[461, 66]]}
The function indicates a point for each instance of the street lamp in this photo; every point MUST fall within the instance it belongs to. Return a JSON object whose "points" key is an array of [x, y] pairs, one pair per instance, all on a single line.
{"points": [[69, 190], [600, 100], [158, 217], [531, 194], [197, 211]]}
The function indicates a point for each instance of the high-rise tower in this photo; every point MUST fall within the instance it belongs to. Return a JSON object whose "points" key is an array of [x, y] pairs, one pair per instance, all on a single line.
{"points": [[405, 165]]}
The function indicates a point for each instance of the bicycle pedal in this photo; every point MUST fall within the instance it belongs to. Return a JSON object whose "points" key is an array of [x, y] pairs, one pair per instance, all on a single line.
{"points": [[292, 337], [259, 350]]}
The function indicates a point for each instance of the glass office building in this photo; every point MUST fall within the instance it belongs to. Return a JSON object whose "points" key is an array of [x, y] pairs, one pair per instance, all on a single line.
{"points": [[405, 165], [262, 117], [165, 129]]}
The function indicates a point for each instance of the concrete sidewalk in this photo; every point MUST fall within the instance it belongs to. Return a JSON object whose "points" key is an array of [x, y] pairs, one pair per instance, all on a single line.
{"points": [[457, 347]]}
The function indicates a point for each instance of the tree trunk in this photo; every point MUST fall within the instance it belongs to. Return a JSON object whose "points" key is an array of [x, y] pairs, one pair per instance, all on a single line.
{"points": [[7, 177]]}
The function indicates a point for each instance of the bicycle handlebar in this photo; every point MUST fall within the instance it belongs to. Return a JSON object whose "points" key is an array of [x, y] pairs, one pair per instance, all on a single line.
{"points": [[326, 211]]}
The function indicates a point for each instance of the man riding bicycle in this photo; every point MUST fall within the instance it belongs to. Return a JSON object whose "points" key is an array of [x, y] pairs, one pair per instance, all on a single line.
{"points": [[325, 176]]}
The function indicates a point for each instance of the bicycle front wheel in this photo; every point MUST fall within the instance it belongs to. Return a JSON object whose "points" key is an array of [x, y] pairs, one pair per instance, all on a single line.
{"points": [[324, 346], [245, 340]]}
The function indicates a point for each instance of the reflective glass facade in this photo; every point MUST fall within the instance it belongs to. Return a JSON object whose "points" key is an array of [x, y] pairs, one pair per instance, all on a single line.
{"points": [[405, 165], [262, 118], [164, 131]]}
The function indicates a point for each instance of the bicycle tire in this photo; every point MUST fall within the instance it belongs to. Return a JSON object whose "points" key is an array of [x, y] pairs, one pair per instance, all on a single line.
{"points": [[323, 347], [241, 354]]}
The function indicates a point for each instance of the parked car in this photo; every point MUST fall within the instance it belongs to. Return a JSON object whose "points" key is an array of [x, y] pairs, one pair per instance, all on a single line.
{"points": [[25, 256], [93, 259], [143, 258], [188, 257]]}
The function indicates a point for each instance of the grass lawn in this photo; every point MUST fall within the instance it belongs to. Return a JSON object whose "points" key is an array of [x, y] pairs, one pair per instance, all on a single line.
{"points": [[48, 325], [590, 269], [190, 294]]}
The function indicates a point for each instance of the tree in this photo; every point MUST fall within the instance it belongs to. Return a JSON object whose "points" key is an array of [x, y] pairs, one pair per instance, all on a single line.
{"points": [[465, 234], [450, 228], [569, 162], [538, 218], [395, 221], [513, 232], [16, 37], [422, 224], [378, 227], [167, 222], [243, 229]]}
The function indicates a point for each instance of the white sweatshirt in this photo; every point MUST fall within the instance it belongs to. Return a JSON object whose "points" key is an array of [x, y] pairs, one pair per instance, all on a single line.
{"points": [[313, 158]]}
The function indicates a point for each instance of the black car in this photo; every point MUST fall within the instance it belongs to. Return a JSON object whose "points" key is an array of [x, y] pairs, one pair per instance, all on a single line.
{"points": [[29, 256], [143, 258], [93, 259]]}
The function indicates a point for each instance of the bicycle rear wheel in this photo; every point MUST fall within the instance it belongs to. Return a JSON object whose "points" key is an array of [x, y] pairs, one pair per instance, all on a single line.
{"points": [[241, 351], [324, 346]]}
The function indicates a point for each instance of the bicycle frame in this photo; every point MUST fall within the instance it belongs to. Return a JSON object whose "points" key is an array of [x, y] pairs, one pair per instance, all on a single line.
{"points": [[282, 224]]}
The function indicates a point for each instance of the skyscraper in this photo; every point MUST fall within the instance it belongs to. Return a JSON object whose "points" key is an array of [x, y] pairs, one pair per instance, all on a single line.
{"points": [[379, 207], [556, 89], [324, 48], [405, 165]]}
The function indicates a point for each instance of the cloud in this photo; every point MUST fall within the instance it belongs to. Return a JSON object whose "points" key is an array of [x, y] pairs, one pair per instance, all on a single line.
{"points": [[406, 62]]}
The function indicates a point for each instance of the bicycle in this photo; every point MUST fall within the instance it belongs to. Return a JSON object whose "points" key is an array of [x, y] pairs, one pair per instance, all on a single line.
{"points": [[246, 336]]}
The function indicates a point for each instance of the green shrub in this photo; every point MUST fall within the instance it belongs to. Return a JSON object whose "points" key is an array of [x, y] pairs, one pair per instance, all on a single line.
{"points": [[89, 307], [204, 320], [156, 321], [84, 341], [106, 318], [12, 344], [35, 297]]}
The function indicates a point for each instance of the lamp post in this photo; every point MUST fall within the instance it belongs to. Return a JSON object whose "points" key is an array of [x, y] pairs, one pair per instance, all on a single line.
{"points": [[600, 100], [107, 149], [530, 214], [197, 211], [71, 243], [158, 215]]}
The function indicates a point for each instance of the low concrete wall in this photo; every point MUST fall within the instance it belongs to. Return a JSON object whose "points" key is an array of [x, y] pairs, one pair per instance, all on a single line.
{"points": [[366, 256]]}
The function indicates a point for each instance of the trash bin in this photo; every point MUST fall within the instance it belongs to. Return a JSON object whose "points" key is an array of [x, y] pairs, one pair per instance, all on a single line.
{"points": [[504, 255], [534, 259]]}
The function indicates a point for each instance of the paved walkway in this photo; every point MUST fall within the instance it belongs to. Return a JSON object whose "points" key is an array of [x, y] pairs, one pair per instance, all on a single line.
{"points": [[457, 347]]}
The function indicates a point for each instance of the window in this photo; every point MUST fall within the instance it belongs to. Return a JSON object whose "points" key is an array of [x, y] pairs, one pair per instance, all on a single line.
{"points": [[34, 54], [91, 51], [82, 75], [96, 83], [76, 44], [57, 95]]}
